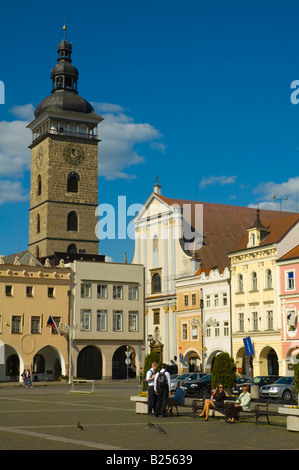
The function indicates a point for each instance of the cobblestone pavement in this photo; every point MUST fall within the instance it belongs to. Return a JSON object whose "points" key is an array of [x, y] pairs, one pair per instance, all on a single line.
{"points": [[46, 417]]}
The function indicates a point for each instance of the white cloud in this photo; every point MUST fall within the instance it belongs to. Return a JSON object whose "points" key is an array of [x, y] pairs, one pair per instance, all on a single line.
{"points": [[25, 111], [119, 135], [223, 180], [12, 192], [14, 152], [275, 195]]}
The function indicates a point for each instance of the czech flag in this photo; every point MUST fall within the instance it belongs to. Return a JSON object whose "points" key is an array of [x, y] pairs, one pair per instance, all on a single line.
{"points": [[52, 324]]}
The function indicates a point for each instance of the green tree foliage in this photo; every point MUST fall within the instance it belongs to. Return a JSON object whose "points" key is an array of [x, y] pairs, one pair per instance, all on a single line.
{"points": [[148, 360], [224, 371]]}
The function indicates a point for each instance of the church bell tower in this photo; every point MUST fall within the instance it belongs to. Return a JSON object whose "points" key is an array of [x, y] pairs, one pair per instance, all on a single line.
{"points": [[64, 166]]}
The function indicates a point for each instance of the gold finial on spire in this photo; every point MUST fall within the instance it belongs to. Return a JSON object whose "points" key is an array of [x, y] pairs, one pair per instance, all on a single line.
{"points": [[64, 27]]}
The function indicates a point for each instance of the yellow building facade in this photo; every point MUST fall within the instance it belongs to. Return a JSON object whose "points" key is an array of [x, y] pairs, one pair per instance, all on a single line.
{"points": [[29, 295], [255, 296]]}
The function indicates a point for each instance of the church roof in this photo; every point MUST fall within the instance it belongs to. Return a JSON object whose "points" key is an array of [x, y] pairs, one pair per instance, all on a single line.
{"points": [[224, 227]]}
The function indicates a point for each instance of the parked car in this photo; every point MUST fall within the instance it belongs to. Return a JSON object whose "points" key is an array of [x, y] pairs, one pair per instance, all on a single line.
{"points": [[175, 381], [199, 388], [194, 377], [260, 380], [283, 388]]}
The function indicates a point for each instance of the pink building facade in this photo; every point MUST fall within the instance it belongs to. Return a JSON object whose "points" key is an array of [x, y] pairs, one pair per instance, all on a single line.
{"points": [[288, 268]]}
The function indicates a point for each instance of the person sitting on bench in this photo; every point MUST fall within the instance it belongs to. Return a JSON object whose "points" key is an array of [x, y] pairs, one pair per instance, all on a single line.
{"points": [[177, 400], [216, 402], [242, 403]]}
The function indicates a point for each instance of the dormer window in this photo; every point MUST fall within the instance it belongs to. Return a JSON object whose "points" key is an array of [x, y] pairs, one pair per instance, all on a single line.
{"points": [[252, 239]]}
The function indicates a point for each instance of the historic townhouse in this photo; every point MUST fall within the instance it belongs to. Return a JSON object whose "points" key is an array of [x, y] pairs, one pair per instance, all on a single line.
{"points": [[107, 319], [29, 294], [289, 308], [203, 318], [173, 239], [255, 294]]}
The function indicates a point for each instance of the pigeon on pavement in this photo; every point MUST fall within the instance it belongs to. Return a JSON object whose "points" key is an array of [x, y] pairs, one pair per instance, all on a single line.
{"points": [[79, 426]]}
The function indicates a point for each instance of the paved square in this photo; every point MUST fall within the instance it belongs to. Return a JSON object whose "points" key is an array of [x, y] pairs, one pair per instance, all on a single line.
{"points": [[46, 417]]}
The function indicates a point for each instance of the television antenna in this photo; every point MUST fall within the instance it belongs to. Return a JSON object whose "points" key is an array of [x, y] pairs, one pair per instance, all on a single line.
{"points": [[280, 200]]}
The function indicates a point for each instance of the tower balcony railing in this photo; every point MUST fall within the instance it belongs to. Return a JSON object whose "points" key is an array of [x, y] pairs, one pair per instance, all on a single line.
{"points": [[65, 132]]}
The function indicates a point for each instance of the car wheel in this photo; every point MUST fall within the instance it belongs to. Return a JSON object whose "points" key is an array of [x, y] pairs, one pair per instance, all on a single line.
{"points": [[287, 395]]}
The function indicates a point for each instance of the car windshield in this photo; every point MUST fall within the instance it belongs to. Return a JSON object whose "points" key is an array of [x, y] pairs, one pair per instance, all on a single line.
{"points": [[182, 377], [256, 380], [285, 380], [205, 378]]}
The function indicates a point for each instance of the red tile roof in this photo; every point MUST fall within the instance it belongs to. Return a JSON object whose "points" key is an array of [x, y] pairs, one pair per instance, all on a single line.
{"points": [[276, 230], [294, 253], [224, 227]]}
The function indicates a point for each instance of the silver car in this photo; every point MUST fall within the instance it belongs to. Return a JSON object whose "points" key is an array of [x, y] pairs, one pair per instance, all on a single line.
{"points": [[283, 388]]}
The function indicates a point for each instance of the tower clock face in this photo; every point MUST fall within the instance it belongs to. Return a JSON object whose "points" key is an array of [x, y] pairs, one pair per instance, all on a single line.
{"points": [[73, 154], [39, 159]]}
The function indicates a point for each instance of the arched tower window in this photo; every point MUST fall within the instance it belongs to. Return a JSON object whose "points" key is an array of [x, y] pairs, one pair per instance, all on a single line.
{"points": [[38, 223], [72, 222], [72, 248], [72, 182], [39, 185]]}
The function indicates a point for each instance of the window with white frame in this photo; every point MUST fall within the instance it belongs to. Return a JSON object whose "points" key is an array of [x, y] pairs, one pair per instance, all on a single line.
{"points": [[253, 281], [268, 279], [102, 291], [240, 283], [133, 321], [255, 320], [35, 325], [194, 332], [225, 328], [184, 331], [8, 291], [117, 320], [133, 292], [101, 320], [217, 330], [193, 299], [85, 290], [290, 280], [241, 321], [216, 300], [29, 291], [186, 300], [85, 320], [16, 324], [224, 298], [269, 319], [208, 301], [117, 292]]}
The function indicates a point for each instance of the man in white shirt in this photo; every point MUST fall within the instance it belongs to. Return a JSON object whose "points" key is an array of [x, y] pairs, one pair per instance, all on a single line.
{"points": [[150, 379], [162, 387]]}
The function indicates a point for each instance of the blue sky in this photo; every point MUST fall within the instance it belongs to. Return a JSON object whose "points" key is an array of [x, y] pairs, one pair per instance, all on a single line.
{"points": [[197, 92]]}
